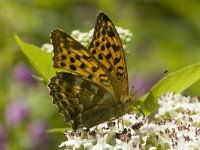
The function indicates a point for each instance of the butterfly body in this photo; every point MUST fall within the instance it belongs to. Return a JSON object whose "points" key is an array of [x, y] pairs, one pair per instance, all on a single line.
{"points": [[94, 87]]}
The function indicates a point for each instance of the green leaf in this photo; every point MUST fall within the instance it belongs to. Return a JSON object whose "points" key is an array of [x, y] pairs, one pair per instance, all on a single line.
{"points": [[174, 82], [40, 60], [55, 130]]}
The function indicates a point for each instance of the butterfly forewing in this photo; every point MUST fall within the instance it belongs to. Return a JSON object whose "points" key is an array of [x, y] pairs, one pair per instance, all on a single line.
{"points": [[107, 48], [70, 55]]}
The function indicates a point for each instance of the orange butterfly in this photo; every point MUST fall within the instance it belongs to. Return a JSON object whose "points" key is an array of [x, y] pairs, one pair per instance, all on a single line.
{"points": [[94, 87]]}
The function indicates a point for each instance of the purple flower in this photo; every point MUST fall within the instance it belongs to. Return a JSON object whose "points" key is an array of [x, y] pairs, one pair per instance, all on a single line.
{"points": [[140, 85], [15, 112], [37, 131], [23, 73], [2, 137]]}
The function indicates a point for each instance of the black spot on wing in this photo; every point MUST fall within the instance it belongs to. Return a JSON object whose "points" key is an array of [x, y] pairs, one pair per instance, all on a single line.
{"points": [[72, 60], [115, 47], [100, 57], [102, 47], [72, 67], [108, 45], [97, 44], [94, 69], [82, 65], [98, 35], [62, 64], [94, 51], [108, 56], [90, 76], [117, 60], [103, 78], [103, 32], [63, 57], [85, 57], [111, 33], [120, 72], [77, 57], [110, 69]]}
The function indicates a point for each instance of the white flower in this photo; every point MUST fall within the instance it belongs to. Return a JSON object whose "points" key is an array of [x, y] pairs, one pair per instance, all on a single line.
{"points": [[152, 148], [47, 47], [101, 144]]}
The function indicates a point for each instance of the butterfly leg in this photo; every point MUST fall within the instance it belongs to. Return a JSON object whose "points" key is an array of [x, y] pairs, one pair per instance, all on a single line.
{"points": [[118, 122]]}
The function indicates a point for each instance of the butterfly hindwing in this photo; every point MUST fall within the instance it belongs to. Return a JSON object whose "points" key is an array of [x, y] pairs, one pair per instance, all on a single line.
{"points": [[82, 102]]}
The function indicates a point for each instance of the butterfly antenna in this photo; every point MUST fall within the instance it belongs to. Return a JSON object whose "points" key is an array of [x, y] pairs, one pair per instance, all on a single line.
{"points": [[131, 93], [134, 93], [140, 110]]}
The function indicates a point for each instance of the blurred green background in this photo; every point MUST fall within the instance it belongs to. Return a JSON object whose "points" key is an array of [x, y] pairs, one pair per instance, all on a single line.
{"points": [[166, 36]]}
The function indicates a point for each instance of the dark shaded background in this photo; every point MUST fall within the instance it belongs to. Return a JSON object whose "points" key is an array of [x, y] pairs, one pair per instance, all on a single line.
{"points": [[166, 36]]}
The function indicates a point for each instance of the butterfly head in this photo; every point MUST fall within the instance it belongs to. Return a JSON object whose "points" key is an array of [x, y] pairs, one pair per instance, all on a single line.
{"points": [[128, 103], [129, 98]]}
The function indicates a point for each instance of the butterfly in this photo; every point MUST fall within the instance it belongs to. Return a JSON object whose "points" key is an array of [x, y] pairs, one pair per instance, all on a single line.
{"points": [[91, 86]]}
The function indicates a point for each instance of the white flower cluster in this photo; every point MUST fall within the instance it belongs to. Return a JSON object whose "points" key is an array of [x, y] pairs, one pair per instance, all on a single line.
{"points": [[179, 130], [106, 136], [172, 104], [85, 37], [125, 35]]}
